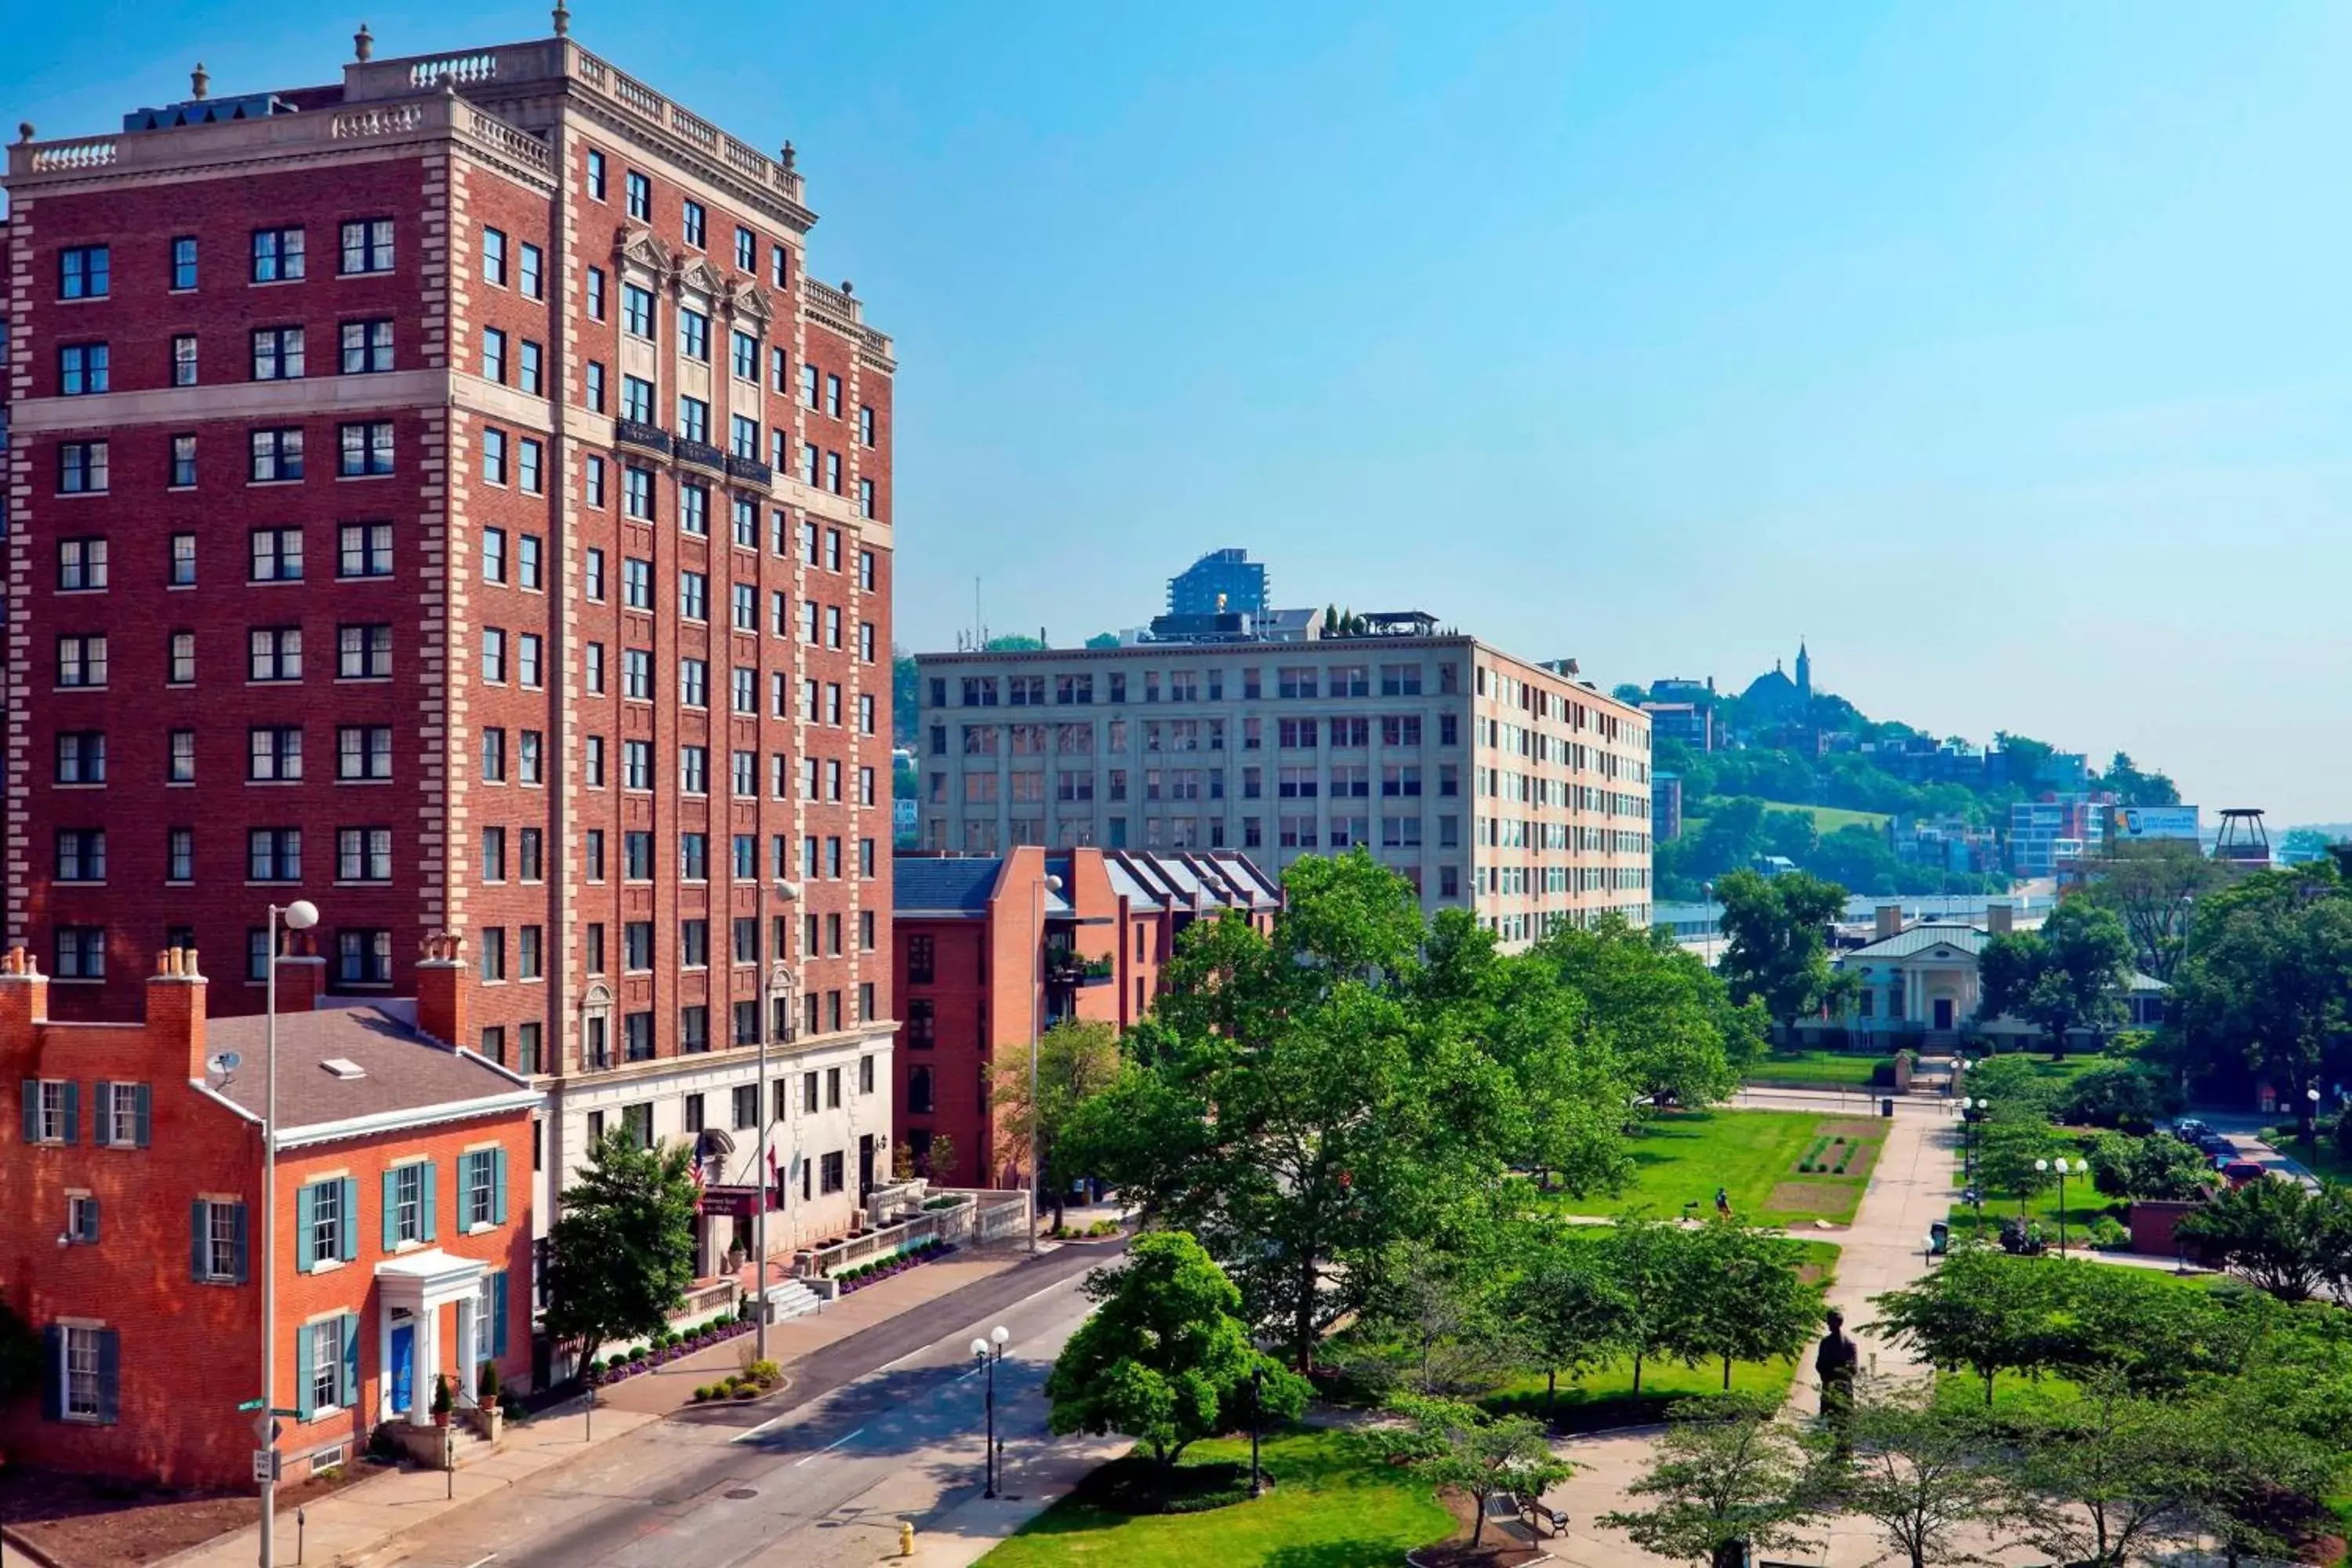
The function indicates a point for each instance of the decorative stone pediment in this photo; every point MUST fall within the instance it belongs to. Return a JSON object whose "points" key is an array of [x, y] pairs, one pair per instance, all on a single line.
{"points": [[703, 279], [638, 247], [749, 306]]}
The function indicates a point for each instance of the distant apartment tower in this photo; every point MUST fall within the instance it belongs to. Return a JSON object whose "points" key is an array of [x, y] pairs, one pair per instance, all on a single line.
{"points": [[1223, 581], [1491, 784], [446, 494], [1691, 723]]}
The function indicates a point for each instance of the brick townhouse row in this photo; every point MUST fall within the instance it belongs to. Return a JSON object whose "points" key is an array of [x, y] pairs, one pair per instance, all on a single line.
{"points": [[445, 493], [132, 1237]]}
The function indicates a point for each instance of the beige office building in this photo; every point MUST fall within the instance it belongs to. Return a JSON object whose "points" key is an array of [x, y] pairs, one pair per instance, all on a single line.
{"points": [[1492, 784]]}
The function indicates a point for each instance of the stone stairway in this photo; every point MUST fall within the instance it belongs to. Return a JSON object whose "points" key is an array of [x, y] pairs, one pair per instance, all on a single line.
{"points": [[791, 1300]]}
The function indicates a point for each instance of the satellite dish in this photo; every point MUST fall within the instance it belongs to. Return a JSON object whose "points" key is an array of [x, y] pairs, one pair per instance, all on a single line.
{"points": [[220, 1064]]}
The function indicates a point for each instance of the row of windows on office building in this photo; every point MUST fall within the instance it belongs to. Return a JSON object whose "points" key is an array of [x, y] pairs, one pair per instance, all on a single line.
{"points": [[1290, 681]]}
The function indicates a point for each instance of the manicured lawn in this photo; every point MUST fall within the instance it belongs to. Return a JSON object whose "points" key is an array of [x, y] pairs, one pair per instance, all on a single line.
{"points": [[2084, 1204], [1681, 1158], [1843, 1069], [1331, 1507], [1828, 819]]}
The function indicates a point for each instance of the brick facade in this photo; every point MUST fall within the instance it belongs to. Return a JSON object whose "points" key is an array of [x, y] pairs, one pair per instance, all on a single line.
{"points": [[980, 970], [542, 525], [185, 1352]]}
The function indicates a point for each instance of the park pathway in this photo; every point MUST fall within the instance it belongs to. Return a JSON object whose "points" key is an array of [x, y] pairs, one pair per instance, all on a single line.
{"points": [[1884, 1249]]}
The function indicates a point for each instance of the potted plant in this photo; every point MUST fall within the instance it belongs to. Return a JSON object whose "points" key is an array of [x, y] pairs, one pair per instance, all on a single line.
{"points": [[442, 1402], [487, 1409]]}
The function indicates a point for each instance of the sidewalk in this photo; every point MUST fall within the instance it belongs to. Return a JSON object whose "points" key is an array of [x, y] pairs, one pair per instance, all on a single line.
{"points": [[363, 1517]]}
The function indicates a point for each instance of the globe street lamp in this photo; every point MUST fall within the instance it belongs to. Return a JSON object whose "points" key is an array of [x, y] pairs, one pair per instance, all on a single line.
{"points": [[2311, 1126], [300, 915], [1973, 1111], [988, 1352], [2060, 1165]]}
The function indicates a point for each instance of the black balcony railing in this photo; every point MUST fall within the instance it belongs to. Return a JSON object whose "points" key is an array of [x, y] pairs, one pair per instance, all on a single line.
{"points": [[637, 433], [750, 469], [700, 453]]}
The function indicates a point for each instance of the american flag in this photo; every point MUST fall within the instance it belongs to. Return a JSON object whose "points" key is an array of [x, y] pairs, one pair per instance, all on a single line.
{"points": [[701, 1175]]}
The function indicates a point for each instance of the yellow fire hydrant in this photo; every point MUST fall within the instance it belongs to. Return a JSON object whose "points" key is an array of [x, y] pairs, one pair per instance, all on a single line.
{"points": [[905, 1538]]}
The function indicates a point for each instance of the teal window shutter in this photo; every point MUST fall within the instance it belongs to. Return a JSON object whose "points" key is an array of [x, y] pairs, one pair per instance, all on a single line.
{"points": [[73, 1110], [432, 1199], [498, 1185], [32, 1111], [110, 1377], [305, 1373], [498, 1315], [305, 1228], [237, 1222], [199, 1230], [53, 1373], [347, 1376], [351, 1225], [99, 1131], [142, 1112], [467, 1168], [391, 1210]]}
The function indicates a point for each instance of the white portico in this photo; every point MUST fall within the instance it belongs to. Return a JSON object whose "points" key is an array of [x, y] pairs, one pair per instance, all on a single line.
{"points": [[410, 1290]]}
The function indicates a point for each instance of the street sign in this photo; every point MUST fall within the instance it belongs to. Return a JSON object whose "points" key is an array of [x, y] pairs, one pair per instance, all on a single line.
{"points": [[266, 1465], [249, 1405]]}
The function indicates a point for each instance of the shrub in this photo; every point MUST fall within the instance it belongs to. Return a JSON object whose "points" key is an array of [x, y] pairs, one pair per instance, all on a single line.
{"points": [[767, 1373], [485, 1384], [745, 1391], [2108, 1235]]}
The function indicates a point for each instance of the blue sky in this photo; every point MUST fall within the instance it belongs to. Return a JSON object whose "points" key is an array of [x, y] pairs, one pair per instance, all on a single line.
{"points": [[1999, 351]]}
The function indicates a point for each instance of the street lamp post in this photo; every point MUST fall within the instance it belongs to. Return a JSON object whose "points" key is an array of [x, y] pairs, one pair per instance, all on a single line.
{"points": [[1048, 884], [2311, 1126], [988, 1352], [300, 915], [1972, 1114], [1257, 1396], [2060, 1165], [786, 893]]}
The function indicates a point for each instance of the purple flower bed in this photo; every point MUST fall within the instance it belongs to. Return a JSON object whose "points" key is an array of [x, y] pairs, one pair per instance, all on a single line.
{"points": [[667, 1348], [865, 1274]]}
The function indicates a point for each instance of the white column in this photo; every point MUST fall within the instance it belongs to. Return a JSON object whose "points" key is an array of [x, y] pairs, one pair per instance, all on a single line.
{"points": [[425, 1358]]}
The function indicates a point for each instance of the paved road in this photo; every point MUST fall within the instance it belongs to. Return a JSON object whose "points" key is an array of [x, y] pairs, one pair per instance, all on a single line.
{"points": [[883, 1426]]}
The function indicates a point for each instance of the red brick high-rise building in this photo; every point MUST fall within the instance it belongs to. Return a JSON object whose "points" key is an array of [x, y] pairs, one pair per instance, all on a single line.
{"points": [[447, 495]]}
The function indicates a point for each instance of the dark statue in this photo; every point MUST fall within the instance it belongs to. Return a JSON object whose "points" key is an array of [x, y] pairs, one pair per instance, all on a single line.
{"points": [[1836, 1362]]}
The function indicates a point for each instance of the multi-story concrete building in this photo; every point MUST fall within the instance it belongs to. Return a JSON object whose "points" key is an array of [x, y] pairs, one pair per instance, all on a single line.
{"points": [[1222, 581], [990, 949], [448, 493], [1492, 784]]}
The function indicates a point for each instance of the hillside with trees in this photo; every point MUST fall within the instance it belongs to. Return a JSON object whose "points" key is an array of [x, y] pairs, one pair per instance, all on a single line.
{"points": [[1746, 798]]}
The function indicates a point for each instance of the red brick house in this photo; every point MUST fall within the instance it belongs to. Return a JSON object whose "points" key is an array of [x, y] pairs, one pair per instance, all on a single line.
{"points": [[986, 951], [130, 1240]]}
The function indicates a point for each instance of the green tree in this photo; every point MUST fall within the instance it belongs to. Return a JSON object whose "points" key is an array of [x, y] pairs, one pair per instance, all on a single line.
{"points": [[621, 1257], [2276, 1235], [2154, 887], [1457, 1446], [1777, 951], [1982, 1311], [1103, 639], [2009, 1150], [1656, 1010], [906, 689], [1565, 1312], [2108, 1466], [1648, 1261], [1164, 1356], [2261, 988], [1729, 1479], [1016, 643], [2069, 974], [2135, 787], [1291, 1106], [1077, 1059], [1746, 1296], [1921, 1469], [2119, 1094], [2157, 1166]]}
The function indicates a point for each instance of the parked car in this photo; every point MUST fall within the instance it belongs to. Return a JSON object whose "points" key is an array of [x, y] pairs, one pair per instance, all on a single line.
{"points": [[2188, 1130], [2214, 1145], [2240, 1172]]}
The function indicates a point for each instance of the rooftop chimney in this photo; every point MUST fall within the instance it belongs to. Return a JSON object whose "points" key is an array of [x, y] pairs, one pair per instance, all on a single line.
{"points": [[1890, 921], [441, 1007], [301, 975], [2000, 918], [175, 1008], [24, 999]]}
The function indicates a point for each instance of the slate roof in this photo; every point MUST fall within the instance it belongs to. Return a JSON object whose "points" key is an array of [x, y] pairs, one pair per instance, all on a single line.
{"points": [[1970, 939], [942, 885], [400, 1071]]}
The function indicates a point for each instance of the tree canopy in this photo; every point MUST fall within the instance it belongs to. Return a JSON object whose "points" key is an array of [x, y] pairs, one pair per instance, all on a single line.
{"points": [[2069, 974], [622, 1255], [1165, 1356], [1777, 951], [2262, 990], [1077, 1059]]}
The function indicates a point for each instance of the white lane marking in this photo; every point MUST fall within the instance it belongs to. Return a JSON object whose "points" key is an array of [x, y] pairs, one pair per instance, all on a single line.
{"points": [[828, 1449]]}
